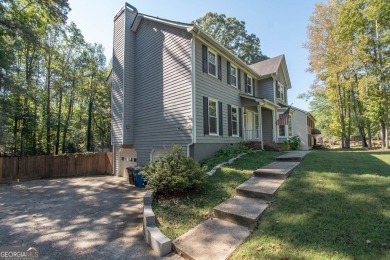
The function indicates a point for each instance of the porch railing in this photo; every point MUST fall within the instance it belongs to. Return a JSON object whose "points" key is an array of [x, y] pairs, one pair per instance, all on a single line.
{"points": [[251, 135]]}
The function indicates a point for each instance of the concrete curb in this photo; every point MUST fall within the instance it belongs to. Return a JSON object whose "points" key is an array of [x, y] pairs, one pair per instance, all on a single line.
{"points": [[213, 170], [153, 236]]}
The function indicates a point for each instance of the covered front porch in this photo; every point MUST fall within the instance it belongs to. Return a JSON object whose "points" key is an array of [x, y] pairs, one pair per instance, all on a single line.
{"points": [[258, 119]]}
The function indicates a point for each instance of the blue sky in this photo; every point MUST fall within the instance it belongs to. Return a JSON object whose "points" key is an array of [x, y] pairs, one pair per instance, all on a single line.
{"points": [[280, 25]]}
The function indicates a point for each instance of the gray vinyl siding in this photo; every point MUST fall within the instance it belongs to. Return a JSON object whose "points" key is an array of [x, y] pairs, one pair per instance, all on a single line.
{"points": [[213, 88], [266, 116], [265, 89], [128, 87], [117, 80], [162, 101]]}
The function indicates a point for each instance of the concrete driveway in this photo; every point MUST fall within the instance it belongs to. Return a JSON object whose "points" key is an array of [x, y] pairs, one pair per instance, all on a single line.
{"points": [[88, 218]]}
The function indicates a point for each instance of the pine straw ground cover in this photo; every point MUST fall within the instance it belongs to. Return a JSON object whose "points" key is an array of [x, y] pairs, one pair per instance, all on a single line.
{"points": [[335, 205], [175, 216]]}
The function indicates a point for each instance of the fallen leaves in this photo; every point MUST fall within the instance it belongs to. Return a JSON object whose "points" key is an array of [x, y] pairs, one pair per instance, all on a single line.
{"points": [[260, 248]]}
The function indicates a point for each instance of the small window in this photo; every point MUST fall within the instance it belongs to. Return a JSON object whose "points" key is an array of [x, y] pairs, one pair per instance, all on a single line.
{"points": [[212, 62], [249, 85], [281, 91], [282, 128], [213, 117], [235, 121], [233, 76], [282, 131]]}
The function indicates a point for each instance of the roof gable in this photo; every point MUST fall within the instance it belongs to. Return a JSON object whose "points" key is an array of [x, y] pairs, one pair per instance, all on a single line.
{"points": [[271, 67], [268, 66]]}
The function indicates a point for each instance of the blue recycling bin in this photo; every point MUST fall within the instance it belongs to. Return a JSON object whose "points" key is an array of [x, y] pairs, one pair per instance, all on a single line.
{"points": [[139, 179]]}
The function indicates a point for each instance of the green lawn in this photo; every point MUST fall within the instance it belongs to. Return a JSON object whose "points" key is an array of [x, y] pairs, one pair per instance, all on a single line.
{"points": [[336, 205], [177, 216]]}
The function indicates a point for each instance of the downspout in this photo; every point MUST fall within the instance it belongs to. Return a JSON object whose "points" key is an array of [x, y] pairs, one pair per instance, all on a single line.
{"points": [[193, 96]]}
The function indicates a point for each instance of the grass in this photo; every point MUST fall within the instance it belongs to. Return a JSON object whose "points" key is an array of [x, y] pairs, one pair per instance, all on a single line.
{"points": [[336, 205], [176, 216]]}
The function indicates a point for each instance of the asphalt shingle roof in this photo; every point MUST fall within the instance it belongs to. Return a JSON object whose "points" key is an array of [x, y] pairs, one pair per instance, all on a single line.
{"points": [[269, 66]]}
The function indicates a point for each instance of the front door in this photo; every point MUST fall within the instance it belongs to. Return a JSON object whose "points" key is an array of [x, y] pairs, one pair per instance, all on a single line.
{"points": [[251, 125]]}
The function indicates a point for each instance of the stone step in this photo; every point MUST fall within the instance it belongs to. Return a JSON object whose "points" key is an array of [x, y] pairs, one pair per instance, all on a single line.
{"points": [[241, 210], [295, 156], [258, 187], [213, 239], [276, 170]]}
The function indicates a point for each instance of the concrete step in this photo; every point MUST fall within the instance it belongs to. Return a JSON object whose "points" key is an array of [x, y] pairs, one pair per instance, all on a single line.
{"points": [[213, 239], [241, 210], [258, 187], [294, 156], [276, 170]]}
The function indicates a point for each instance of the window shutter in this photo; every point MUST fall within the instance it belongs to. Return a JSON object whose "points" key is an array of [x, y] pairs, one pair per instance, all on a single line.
{"points": [[240, 121], [219, 67], [246, 83], [253, 86], [239, 79], [204, 58], [229, 108], [277, 89], [220, 118], [205, 115], [228, 73]]}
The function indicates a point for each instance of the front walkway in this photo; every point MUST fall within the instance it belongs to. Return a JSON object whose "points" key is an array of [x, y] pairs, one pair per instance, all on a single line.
{"points": [[217, 238], [92, 217]]}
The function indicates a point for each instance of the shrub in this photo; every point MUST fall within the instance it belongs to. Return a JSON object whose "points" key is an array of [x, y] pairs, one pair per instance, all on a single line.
{"points": [[234, 150], [294, 143], [174, 174]]}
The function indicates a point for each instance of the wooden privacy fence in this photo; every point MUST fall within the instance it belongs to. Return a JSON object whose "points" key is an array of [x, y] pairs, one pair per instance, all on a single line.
{"points": [[54, 166]]}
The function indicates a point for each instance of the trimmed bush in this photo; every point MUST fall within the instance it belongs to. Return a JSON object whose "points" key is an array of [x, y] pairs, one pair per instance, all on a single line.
{"points": [[294, 143], [174, 175]]}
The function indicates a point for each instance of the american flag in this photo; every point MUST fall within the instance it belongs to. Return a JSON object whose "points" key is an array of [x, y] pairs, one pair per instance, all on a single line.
{"points": [[283, 118]]}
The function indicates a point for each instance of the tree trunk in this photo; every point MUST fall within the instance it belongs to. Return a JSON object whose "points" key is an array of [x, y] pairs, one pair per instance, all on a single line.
{"points": [[341, 113], [369, 135], [68, 117], [383, 134], [48, 121], [59, 122], [358, 123], [89, 126]]}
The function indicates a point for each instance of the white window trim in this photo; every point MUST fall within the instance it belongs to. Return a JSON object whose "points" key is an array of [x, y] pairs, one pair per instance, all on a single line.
{"points": [[285, 128], [237, 122], [249, 79], [236, 76], [216, 116], [216, 62]]}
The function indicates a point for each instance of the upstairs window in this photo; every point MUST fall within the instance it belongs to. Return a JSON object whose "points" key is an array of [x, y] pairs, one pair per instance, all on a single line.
{"points": [[249, 86], [212, 62], [280, 91], [233, 76]]}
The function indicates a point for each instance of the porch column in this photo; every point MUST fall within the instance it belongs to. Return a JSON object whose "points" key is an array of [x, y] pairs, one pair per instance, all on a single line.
{"points": [[260, 126], [274, 126]]}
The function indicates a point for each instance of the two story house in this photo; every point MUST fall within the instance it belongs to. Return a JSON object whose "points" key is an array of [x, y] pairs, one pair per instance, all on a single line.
{"points": [[174, 84]]}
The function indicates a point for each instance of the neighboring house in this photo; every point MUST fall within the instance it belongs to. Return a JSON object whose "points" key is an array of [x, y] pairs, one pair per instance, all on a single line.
{"points": [[174, 84], [303, 126]]}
